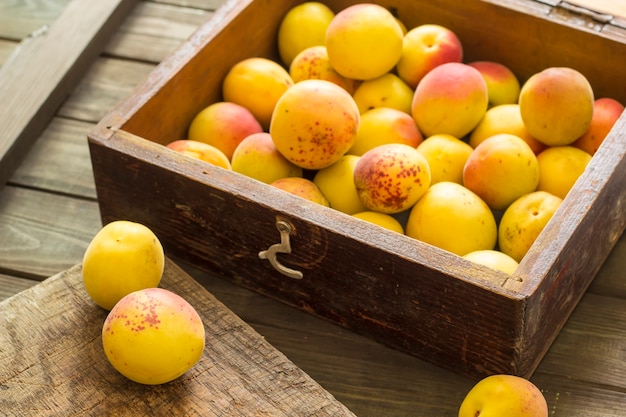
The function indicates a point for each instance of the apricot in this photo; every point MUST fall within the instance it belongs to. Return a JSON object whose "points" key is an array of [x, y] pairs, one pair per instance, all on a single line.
{"points": [[451, 99], [501, 169], [364, 41], [504, 118], [256, 83], [153, 336], [384, 125], [503, 87], [381, 219], [557, 105], [202, 151], [451, 217], [504, 395], [257, 157], [303, 26], [446, 156], [606, 111], [494, 259], [313, 64], [560, 167], [122, 257], [524, 220], [388, 90], [425, 47], [336, 182], [391, 178], [314, 124], [303, 188], [223, 125]]}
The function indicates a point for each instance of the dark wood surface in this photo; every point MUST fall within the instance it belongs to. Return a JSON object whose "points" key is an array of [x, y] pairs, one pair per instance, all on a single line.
{"points": [[49, 213]]}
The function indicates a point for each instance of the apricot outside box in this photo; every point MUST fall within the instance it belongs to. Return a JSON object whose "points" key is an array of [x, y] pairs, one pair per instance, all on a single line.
{"points": [[397, 290]]}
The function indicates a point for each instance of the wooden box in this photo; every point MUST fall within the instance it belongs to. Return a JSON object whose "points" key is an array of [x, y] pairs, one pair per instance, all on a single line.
{"points": [[399, 291]]}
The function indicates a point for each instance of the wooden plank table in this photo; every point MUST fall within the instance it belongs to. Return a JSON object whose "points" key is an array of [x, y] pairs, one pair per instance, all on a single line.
{"points": [[49, 213], [52, 342]]}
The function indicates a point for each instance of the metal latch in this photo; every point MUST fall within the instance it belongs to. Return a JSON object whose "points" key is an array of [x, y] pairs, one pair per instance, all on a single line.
{"points": [[284, 246]]}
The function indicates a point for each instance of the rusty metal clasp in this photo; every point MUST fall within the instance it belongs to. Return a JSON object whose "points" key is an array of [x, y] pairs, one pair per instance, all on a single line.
{"points": [[283, 247]]}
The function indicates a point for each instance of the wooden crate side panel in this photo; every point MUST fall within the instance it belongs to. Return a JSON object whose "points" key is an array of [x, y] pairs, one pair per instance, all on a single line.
{"points": [[573, 246], [351, 275]]}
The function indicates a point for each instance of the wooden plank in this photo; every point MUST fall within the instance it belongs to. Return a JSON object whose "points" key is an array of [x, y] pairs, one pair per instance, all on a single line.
{"points": [[610, 280], [6, 49], [106, 83], [616, 7], [153, 31], [43, 233], [10, 285], [18, 19], [59, 161], [198, 4], [596, 336], [40, 75], [53, 360]]}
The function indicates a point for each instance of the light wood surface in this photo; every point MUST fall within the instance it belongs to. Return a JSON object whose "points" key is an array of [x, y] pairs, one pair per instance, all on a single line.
{"points": [[48, 214], [614, 7], [19, 19], [53, 342]]}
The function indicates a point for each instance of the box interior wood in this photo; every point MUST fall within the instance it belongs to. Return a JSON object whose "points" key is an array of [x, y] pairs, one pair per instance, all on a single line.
{"points": [[402, 292]]}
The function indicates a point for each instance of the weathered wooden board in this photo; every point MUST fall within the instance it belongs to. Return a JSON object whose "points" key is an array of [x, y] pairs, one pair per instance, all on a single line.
{"points": [[615, 7], [9, 286], [51, 351], [46, 166], [6, 49], [153, 31], [19, 19], [108, 79], [43, 233], [36, 79], [198, 4]]}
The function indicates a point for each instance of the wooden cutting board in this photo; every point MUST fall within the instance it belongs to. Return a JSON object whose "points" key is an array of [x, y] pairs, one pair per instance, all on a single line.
{"points": [[52, 362]]}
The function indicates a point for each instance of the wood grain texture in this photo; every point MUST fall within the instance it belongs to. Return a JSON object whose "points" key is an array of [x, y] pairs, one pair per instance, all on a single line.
{"points": [[43, 233], [6, 49], [51, 350], [10, 285], [197, 4], [109, 80], [153, 31], [19, 18], [610, 280], [371, 379], [37, 79], [617, 7], [46, 166]]}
